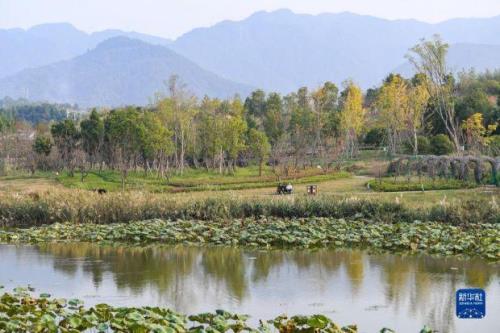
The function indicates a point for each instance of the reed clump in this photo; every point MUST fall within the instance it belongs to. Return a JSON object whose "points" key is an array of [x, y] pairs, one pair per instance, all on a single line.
{"points": [[79, 206]]}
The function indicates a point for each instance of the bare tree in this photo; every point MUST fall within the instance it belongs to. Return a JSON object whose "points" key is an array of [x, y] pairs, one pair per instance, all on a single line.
{"points": [[182, 115], [429, 57]]}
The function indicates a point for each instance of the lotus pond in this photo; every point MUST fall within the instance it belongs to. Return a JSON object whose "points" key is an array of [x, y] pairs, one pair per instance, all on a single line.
{"points": [[480, 239], [404, 292]]}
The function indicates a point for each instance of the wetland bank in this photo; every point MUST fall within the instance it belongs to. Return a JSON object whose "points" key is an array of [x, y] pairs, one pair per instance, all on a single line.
{"points": [[372, 290], [157, 215], [389, 261], [370, 263]]}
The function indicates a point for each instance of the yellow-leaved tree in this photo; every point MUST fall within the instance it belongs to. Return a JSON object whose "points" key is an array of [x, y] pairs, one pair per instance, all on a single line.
{"points": [[418, 100], [401, 105], [392, 104], [476, 135], [352, 116]]}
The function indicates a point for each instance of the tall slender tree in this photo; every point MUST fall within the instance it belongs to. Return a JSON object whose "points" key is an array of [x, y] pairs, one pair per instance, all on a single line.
{"points": [[352, 116], [66, 138], [273, 118], [92, 132], [123, 134], [392, 104], [259, 146], [429, 58]]}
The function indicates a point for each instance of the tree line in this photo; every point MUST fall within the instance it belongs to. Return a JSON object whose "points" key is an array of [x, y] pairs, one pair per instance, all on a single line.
{"points": [[318, 127]]}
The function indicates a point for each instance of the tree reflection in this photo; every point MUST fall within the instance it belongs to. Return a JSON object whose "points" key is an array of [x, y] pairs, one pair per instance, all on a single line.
{"points": [[263, 262], [132, 267], [226, 265], [423, 286], [355, 269], [395, 271]]}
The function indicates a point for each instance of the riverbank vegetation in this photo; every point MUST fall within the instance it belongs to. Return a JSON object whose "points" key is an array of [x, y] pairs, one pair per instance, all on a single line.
{"points": [[23, 311], [76, 207], [479, 239]]}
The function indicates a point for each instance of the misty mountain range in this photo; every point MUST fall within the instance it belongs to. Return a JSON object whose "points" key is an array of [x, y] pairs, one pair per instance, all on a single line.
{"points": [[48, 43], [118, 71], [277, 51]]}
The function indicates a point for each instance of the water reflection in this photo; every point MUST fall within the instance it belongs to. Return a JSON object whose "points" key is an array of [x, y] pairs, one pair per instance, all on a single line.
{"points": [[404, 292]]}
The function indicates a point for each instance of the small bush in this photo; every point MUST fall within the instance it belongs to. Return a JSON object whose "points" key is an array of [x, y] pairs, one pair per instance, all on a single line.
{"points": [[424, 146], [494, 145], [390, 185], [375, 137], [441, 145]]}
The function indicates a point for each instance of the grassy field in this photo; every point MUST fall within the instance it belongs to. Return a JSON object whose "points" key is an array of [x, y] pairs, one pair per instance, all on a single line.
{"points": [[193, 180], [353, 188], [190, 181], [389, 184], [246, 183]]}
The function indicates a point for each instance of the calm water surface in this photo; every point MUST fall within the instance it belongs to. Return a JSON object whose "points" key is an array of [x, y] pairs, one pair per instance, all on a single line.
{"points": [[373, 291]]}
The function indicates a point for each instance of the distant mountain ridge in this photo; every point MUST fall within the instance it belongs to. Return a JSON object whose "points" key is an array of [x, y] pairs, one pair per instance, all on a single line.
{"points": [[48, 43], [119, 71], [277, 51], [282, 50]]}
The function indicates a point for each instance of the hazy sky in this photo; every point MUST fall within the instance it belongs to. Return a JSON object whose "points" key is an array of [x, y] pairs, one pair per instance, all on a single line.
{"points": [[170, 18]]}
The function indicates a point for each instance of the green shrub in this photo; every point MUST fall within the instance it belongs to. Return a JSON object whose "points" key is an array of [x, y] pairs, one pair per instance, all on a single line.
{"points": [[3, 167], [441, 145], [391, 185], [375, 137], [494, 145], [424, 146]]}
